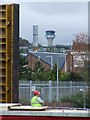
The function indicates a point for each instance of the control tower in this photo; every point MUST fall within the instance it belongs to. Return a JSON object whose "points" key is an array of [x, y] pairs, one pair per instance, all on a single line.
{"points": [[50, 35]]}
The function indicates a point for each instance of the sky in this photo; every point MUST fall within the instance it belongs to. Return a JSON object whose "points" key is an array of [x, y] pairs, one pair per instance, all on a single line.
{"points": [[65, 18]]}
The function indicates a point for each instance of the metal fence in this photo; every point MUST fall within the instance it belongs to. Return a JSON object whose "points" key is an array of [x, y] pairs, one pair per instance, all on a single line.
{"points": [[48, 89]]}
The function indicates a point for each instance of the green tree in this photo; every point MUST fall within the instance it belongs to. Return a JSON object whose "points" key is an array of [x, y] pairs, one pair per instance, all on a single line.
{"points": [[38, 67], [71, 76], [40, 76], [39, 73], [83, 72], [77, 99], [24, 71], [53, 74]]}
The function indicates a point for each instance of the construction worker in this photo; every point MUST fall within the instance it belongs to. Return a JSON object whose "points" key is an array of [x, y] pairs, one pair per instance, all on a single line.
{"points": [[36, 101]]}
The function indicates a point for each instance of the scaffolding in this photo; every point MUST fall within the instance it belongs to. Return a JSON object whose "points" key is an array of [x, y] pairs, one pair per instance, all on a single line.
{"points": [[6, 52]]}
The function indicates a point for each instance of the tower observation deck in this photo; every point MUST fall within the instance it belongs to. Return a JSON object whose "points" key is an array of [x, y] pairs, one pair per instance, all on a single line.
{"points": [[50, 35]]}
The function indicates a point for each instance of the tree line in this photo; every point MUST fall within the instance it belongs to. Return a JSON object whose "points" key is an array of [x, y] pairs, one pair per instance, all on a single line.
{"points": [[38, 73]]}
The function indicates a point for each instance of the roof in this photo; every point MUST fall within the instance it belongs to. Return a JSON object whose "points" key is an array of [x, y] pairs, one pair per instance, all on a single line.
{"points": [[50, 58]]}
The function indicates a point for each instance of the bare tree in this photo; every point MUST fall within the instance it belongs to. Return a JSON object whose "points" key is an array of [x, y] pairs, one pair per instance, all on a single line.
{"points": [[80, 43]]}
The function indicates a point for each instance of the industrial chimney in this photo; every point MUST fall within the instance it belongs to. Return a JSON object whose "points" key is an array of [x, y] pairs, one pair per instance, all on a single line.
{"points": [[50, 35], [35, 37]]}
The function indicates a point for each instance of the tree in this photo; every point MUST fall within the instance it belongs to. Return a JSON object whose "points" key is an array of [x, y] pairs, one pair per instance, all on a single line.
{"points": [[80, 43], [53, 74], [71, 76], [24, 71], [80, 54], [39, 76], [38, 67], [39, 73], [84, 72]]}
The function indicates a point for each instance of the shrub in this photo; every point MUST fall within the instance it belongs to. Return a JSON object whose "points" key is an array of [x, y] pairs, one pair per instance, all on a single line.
{"points": [[76, 100]]}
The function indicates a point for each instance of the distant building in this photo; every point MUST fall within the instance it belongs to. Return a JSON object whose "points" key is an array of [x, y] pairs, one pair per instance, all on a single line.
{"points": [[75, 60], [47, 59]]}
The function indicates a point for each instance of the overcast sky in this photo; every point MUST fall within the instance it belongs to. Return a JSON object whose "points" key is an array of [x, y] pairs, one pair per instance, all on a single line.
{"points": [[65, 18]]}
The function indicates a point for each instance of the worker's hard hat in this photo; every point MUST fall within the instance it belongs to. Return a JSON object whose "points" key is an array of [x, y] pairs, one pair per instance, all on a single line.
{"points": [[36, 92]]}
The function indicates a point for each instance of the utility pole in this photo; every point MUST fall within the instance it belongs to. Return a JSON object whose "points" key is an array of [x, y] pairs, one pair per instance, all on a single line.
{"points": [[57, 73]]}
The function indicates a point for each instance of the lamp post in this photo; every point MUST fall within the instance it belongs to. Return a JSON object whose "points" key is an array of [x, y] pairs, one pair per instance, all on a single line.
{"points": [[57, 74]]}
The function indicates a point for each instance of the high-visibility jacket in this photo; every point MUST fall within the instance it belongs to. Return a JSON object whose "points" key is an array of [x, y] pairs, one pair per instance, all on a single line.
{"points": [[34, 102]]}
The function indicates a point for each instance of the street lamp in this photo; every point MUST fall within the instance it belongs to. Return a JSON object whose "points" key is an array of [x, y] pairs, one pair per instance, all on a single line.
{"points": [[57, 73]]}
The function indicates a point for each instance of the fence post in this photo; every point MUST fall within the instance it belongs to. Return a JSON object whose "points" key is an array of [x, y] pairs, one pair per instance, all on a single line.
{"points": [[30, 90], [71, 87], [50, 91], [84, 97]]}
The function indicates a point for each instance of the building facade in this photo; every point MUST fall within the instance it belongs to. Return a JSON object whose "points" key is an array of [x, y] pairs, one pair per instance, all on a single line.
{"points": [[48, 60]]}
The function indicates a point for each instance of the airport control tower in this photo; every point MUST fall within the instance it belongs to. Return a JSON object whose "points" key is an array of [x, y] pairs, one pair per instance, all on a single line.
{"points": [[50, 35]]}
